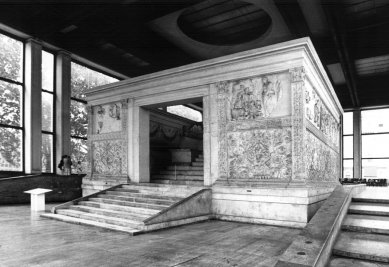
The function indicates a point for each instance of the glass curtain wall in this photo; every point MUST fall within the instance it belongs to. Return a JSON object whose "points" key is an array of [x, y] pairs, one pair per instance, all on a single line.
{"points": [[11, 104], [47, 112], [348, 140], [375, 143], [82, 78]]}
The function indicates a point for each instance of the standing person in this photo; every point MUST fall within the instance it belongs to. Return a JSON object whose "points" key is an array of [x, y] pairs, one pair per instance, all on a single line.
{"points": [[60, 165], [79, 168], [67, 165]]}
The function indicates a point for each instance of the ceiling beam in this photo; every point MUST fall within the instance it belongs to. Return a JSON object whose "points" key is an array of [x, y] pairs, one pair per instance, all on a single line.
{"points": [[337, 32]]}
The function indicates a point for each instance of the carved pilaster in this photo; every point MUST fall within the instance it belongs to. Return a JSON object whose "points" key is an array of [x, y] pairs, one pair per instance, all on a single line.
{"points": [[124, 103], [298, 122], [89, 110], [222, 121]]}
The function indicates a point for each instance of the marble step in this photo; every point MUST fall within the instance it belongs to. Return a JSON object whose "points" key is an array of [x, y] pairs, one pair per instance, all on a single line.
{"points": [[100, 218], [59, 217], [129, 204], [177, 191], [102, 205], [347, 262], [199, 160], [356, 245], [366, 224], [370, 200], [198, 164], [118, 214], [178, 182], [160, 188], [183, 172], [185, 168], [178, 177], [149, 200], [381, 209], [172, 197], [201, 156]]}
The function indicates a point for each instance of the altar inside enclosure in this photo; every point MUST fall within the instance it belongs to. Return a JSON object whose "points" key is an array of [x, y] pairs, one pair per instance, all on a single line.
{"points": [[271, 123]]}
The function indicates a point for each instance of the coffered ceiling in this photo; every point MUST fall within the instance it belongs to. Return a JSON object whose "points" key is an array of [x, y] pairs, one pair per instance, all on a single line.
{"points": [[136, 37]]}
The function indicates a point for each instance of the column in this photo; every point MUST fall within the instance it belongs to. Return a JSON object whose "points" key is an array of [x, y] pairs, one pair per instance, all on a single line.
{"points": [[33, 106], [63, 93], [357, 151], [138, 144]]}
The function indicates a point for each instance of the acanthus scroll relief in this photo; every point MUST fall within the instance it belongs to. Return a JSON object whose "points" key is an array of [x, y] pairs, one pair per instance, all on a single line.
{"points": [[107, 157]]}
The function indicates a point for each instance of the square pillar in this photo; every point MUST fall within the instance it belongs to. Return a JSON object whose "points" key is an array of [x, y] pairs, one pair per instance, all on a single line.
{"points": [[138, 144], [62, 101], [357, 144], [33, 107]]}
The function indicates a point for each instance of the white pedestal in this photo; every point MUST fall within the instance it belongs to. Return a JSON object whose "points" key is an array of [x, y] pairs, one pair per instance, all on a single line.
{"points": [[38, 198]]}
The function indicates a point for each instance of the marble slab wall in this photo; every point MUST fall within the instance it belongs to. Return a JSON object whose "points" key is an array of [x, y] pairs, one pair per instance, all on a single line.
{"points": [[255, 127]]}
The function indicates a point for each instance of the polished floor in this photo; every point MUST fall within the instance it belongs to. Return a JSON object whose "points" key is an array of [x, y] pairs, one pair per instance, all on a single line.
{"points": [[29, 240]]}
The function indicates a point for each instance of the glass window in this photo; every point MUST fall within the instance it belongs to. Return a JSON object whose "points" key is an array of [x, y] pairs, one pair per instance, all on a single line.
{"points": [[10, 149], [348, 171], [47, 71], [78, 155], [78, 119], [84, 78], [375, 146], [47, 153], [11, 58], [375, 121], [10, 104], [186, 112], [348, 123], [375, 168], [47, 112], [348, 147]]}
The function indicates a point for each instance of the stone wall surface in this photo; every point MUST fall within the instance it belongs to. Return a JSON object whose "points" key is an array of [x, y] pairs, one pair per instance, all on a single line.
{"points": [[65, 188]]}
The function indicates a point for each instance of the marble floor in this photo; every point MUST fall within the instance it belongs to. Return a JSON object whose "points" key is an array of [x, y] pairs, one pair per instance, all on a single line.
{"points": [[29, 240]]}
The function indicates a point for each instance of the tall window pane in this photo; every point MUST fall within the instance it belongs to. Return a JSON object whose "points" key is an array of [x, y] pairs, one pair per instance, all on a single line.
{"points": [[78, 150], [375, 121], [348, 123], [47, 71], [10, 149], [10, 103], [375, 168], [375, 146], [47, 112], [47, 153], [78, 119], [348, 147], [348, 170], [84, 78], [11, 58]]}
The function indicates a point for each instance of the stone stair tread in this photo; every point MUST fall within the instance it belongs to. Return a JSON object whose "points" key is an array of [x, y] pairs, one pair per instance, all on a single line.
{"points": [[369, 208], [366, 223], [129, 203], [87, 216], [182, 172], [184, 168], [178, 182], [373, 247], [178, 177], [120, 207], [346, 262], [113, 213], [79, 221], [162, 195], [143, 200]]}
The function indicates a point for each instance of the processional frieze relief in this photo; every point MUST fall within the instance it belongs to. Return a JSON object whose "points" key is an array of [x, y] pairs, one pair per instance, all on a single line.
{"points": [[318, 115]]}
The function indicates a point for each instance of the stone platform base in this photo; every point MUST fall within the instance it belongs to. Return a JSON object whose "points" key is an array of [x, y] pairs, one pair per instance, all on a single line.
{"points": [[289, 206], [91, 185]]}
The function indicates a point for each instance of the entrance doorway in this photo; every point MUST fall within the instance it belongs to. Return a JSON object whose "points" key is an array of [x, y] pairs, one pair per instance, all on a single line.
{"points": [[176, 144]]}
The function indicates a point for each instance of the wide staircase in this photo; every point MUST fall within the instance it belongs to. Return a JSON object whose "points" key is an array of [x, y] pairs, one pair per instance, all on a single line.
{"points": [[182, 174], [136, 208], [364, 239]]}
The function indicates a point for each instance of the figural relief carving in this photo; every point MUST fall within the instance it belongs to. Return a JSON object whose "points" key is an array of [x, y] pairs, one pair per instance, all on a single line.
{"points": [[108, 118]]}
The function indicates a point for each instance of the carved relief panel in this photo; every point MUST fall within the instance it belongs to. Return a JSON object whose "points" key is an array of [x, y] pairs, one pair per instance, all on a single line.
{"points": [[254, 127], [317, 113], [107, 118], [107, 157]]}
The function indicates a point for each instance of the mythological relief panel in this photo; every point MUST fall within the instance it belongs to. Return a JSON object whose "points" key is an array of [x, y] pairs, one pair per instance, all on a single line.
{"points": [[321, 161], [107, 118], [107, 157], [258, 97], [255, 128], [317, 113]]}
